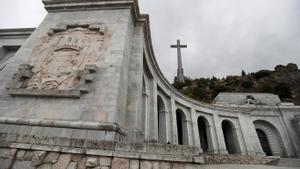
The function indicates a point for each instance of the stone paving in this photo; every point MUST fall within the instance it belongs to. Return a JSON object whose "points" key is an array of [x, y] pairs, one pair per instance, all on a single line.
{"points": [[242, 166]]}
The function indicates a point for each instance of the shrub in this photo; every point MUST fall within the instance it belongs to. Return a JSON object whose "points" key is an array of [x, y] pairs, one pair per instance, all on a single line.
{"points": [[178, 85], [283, 90], [243, 73], [265, 87], [247, 84], [261, 74]]}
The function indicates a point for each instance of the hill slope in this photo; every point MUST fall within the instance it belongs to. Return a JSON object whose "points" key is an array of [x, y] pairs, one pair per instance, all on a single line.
{"points": [[283, 81]]}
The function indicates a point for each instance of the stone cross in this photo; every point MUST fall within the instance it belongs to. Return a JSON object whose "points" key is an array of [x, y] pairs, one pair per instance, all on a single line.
{"points": [[180, 76]]}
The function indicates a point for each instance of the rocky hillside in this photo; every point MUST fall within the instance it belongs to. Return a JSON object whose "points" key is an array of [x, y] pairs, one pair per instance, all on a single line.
{"points": [[283, 81]]}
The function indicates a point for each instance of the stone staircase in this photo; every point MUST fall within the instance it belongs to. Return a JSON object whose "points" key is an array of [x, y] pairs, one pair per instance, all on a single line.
{"points": [[286, 162]]}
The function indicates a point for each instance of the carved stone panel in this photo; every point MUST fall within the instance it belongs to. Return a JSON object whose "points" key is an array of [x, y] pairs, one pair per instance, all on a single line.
{"points": [[64, 62]]}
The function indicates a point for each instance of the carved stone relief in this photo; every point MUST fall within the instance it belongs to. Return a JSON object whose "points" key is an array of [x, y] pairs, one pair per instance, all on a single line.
{"points": [[63, 62]]}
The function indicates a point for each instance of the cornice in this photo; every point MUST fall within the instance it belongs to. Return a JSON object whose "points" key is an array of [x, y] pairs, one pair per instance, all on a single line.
{"points": [[16, 32], [80, 5]]}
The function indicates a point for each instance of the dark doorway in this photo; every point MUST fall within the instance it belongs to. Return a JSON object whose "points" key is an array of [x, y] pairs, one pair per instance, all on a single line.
{"points": [[179, 127], [182, 128], [264, 142], [230, 137], [202, 134]]}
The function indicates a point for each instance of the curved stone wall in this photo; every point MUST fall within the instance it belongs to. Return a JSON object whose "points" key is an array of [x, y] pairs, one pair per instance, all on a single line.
{"points": [[241, 116], [129, 99]]}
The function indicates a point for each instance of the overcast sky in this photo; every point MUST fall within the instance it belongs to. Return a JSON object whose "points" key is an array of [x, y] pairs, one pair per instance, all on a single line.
{"points": [[224, 37]]}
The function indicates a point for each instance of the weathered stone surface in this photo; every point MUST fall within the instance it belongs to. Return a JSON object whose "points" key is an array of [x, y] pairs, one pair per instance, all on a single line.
{"points": [[105, 161], [91, 162], [76, 157], [44, 166], [81, 163], [105, 167], [237, 159], [38, 157], [90, 67], [98, 167], [6, 163], [51, 157], [21, 154], [45, 93], [2, 163], [28, 155], [54, 64], [72, 165], [155, 165], [199, 160], [63, 161], [4, 153], [146, 165], [120, 163], [178, 166], [23, 165], [134, 164], [165, 165]]}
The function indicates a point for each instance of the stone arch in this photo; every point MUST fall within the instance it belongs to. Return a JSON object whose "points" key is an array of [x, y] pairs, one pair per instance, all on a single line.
{"points": [[203, 129], [273, 138], [182, 128], [230, 137], [162, 120], [263, 139]]}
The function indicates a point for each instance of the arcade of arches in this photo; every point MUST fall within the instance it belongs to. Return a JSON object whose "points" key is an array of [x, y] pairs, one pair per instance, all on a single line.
{"points": [[269, 139]]}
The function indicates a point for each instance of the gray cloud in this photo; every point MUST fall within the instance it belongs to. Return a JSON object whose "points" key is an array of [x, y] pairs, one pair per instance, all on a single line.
{"points": [[21, 13], [223, 37]]}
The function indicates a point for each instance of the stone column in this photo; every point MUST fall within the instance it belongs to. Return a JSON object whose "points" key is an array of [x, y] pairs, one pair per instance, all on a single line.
{"points": [[240, 141], [220, 135], [190, 133], [212, 144], [145, 116], [174, 138], [195, 128], [153, 130], [163, 127], [251, 141], [168, 123]]}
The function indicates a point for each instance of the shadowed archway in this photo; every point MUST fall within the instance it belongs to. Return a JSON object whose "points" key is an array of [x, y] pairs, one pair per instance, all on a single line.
{"points": [[182, 132], [230, 137], [269, 138], [263, 139], [203, 133]]}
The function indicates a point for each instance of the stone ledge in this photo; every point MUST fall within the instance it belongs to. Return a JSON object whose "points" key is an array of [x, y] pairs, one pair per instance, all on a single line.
{"points": [[163, 156], [45, 93], [83, 153], [64, 124], [238, 159], [16, 32], [119, 154]]}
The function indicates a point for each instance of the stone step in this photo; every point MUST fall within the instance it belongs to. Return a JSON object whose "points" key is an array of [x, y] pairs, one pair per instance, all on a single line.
{"points": [[287, 162]]}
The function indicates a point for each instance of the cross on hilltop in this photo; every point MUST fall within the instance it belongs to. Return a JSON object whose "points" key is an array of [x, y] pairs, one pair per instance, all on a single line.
{"points": [[180, 76]]}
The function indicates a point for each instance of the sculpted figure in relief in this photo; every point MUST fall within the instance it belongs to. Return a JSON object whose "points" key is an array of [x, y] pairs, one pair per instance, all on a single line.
{"points": [[60, 59]]}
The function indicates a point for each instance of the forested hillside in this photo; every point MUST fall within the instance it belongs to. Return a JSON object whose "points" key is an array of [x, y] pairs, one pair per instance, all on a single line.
{"points": [[283, 81]]}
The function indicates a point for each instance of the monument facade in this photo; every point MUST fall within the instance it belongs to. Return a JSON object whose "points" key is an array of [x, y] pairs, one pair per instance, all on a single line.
{"points": [[83, 90]]}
